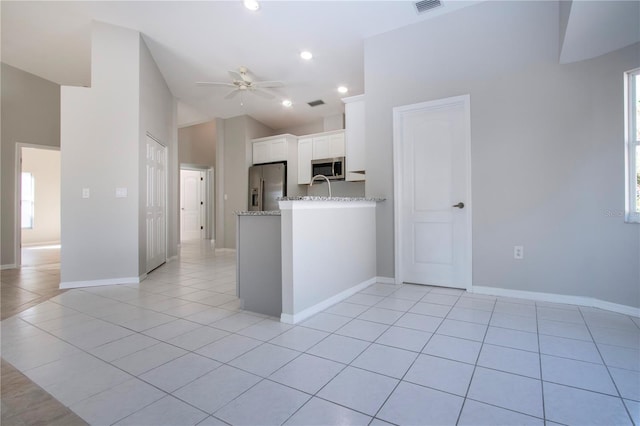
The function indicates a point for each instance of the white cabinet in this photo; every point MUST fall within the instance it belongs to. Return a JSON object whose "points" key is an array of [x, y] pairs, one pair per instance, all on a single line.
{"points": [[317, 147], [354, 109], [305, 154], [320, 147], [328, 146], [280, 148], [270, 150]]}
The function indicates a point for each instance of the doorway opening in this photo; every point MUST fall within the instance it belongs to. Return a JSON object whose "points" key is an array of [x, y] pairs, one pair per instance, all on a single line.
{"points": [[38, 205], [196, 203]]}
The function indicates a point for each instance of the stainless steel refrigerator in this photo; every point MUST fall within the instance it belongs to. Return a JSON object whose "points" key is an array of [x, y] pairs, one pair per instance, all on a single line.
{"points": [[267, 182]]}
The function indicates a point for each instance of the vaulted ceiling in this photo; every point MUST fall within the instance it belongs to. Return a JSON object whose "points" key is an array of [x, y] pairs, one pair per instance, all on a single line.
{"points": [[203, 40]]}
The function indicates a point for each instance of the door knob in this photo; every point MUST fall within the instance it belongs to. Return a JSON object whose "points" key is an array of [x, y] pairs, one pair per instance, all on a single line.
{"points": [[460, 205]]}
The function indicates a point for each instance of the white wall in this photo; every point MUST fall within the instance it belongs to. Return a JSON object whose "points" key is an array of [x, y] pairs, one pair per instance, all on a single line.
{"points": [[328, 254], [44, 165], [30, 113], [546, 142]]}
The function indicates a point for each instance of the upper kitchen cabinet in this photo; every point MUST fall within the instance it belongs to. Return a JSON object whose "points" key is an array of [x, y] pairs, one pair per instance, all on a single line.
{"points": [[270, 149], [305, 153], [328, 145], [318, 147], [280, 148], [354, 109]]}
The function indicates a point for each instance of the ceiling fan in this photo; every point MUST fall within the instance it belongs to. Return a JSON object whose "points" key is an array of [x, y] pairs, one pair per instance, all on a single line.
{"points": [[241, 82]]}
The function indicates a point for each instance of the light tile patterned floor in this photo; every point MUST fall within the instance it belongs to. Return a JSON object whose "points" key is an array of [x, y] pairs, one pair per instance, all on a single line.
{"points": [[176, 350]]}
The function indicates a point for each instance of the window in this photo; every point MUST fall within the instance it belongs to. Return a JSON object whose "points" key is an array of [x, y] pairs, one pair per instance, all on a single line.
{"points": [[632, 145], [28, 198]]}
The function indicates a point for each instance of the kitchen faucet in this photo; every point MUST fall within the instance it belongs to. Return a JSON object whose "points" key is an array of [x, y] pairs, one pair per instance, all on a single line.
{"points": [[325, 178]]}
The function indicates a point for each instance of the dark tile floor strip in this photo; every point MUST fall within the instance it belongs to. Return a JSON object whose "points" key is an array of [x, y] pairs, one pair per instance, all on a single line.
{"points": [[23, 403]]}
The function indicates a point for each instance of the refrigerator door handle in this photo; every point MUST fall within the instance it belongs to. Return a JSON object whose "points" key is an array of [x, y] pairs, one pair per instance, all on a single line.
{"points": [[261, 195]]}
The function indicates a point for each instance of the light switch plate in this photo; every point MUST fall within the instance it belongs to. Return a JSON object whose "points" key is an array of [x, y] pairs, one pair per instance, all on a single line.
{"points": [[121, 192], [85, 192]]}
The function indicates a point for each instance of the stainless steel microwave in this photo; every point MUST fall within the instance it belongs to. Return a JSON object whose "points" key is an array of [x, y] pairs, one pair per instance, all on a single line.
{"points": [[332, 168]]}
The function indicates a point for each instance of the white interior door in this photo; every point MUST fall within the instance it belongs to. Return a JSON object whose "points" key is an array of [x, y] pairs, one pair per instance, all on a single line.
{"points": [[433, 192], [156, 204], [192, 201]]}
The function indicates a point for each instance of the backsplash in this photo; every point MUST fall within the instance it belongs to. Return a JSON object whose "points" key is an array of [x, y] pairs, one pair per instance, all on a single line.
{"points": [[339, 188]]}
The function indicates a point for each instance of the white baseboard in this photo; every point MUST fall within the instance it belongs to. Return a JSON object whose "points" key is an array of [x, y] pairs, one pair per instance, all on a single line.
{"points": [[558, 298], [95, 283], [44, 243], [8, 266], [319, 307], [226, 250], [386, 280]]}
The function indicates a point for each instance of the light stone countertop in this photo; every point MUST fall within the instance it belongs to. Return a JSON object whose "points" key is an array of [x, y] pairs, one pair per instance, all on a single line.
{"points": [[315, 198], [258, 213]]}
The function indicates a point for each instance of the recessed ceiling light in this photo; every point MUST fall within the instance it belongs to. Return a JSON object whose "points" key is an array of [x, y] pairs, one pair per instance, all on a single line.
{"points": [[343, 89], [287, 103], [306, 55], [252, 5]]}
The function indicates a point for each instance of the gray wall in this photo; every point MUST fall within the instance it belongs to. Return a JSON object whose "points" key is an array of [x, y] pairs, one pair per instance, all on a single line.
{"points": [[316, 126], [546, 141], [339, 188], [104, 132], [158, 118], [30, 114], [238, 132], [100, 151], [197, 144]]}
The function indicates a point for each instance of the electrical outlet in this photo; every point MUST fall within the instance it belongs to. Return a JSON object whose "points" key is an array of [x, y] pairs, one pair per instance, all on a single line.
{"points": [[518, 252]]}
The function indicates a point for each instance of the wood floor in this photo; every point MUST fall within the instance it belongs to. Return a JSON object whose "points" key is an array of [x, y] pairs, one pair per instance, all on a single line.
{"points": [[23, 403]]}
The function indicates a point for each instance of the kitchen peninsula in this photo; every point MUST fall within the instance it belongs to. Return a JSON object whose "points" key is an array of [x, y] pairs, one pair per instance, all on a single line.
{"points": [[326, 248]]}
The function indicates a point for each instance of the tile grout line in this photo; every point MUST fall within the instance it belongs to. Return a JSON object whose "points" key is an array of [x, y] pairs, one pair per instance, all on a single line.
{"points": [[370, 343], [414, 361], [544, 413], [606, 366], [475, 365]]}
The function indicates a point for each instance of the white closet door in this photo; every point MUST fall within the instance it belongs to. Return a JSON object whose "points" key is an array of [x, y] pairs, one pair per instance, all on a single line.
{"points": [[156, 204], [433, 170]]}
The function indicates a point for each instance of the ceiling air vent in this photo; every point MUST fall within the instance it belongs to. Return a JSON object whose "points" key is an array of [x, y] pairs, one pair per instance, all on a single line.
{"points": [[425, 5], [316, 103]]}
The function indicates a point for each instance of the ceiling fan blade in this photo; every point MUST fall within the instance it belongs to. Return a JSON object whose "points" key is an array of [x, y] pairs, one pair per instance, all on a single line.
{"points": [[232, 94], [268, 84], [263, 93], [235, 75], [213, 83]]}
